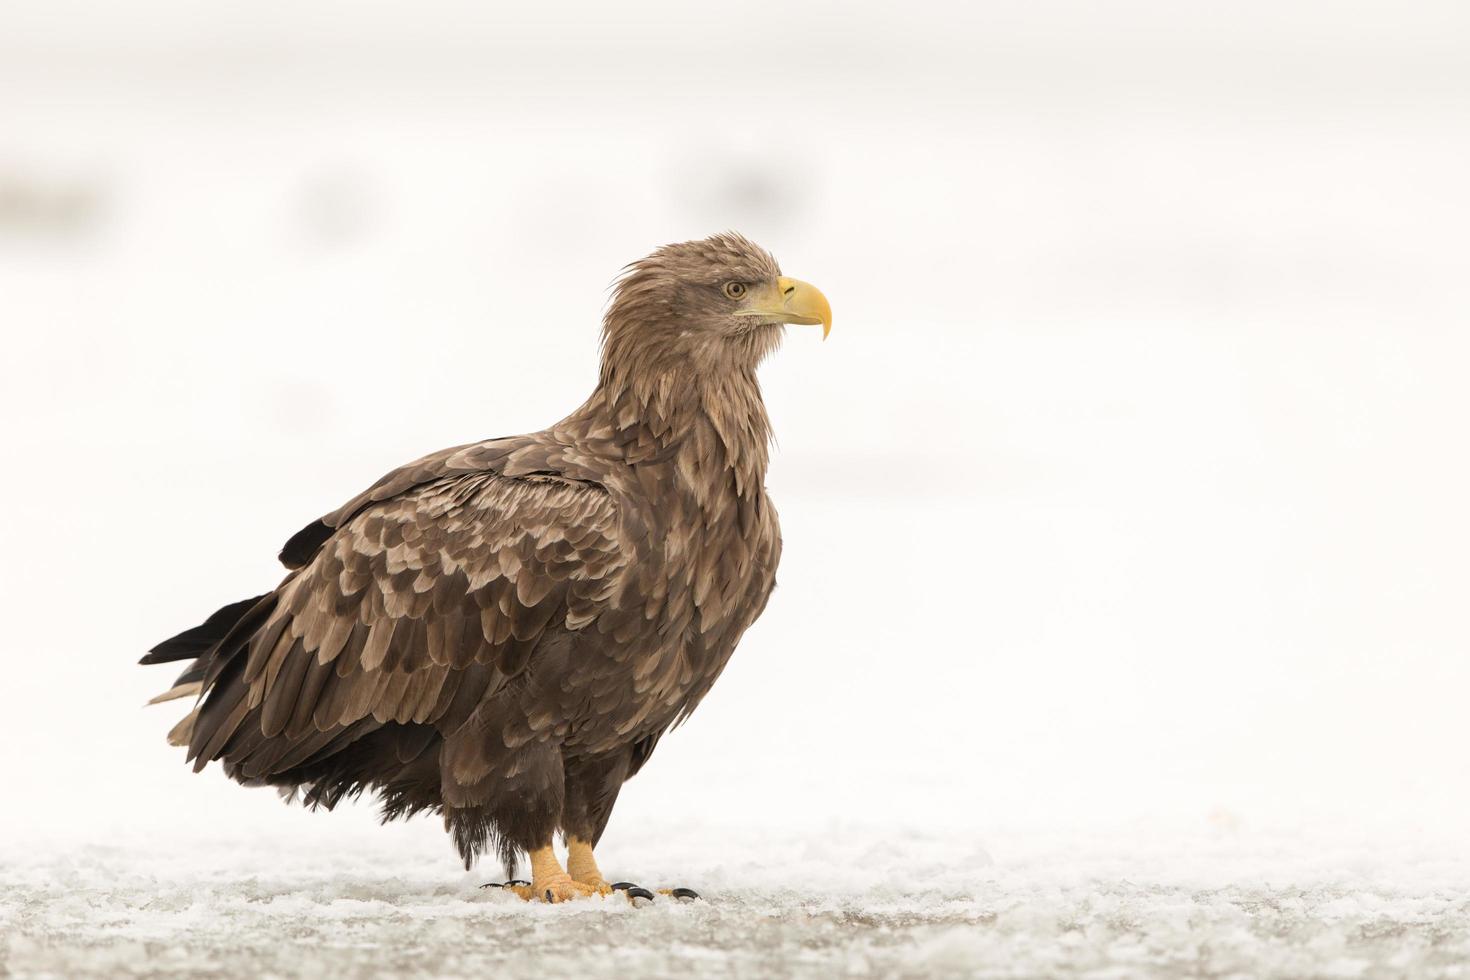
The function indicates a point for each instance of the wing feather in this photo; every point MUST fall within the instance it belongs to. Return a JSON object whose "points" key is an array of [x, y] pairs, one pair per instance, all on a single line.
{"points": [[430, 591]]}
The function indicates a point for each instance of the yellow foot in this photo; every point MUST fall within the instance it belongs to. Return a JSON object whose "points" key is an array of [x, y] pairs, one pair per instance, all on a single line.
{"points": [[551, 883], [583, 868], [633, 893], [596, 882], [565, 888], [554, 888]]}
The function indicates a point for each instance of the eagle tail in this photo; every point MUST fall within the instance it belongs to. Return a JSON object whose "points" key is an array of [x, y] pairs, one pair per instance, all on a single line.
{"points": [[196, 641], [198, 644]]}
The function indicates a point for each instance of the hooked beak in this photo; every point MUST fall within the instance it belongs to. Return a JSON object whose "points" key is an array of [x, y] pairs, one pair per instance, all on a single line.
{"points": [[792, 301]]}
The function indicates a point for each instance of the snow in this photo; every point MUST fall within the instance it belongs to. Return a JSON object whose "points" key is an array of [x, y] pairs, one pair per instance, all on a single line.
{"points": [[845, 900]]}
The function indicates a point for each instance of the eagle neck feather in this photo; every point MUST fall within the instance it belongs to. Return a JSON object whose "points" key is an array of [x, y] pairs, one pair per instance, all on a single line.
{"points": [[698, 406]]}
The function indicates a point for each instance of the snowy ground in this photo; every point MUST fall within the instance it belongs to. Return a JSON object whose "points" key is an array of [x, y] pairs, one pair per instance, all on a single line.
{"points": [[844, 901]]}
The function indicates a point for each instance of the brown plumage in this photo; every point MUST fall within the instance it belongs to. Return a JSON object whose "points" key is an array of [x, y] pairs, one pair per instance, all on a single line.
{"points": [[502, 631]]}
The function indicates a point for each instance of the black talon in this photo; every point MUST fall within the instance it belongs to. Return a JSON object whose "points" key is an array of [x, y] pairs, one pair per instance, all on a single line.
{"points": [[635, 891], [685, 894], [492, 884], [622, 886], [516, 881], [549, 899]]}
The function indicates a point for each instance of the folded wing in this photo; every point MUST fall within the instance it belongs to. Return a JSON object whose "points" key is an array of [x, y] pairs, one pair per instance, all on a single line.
{"points": [[411, 610]]}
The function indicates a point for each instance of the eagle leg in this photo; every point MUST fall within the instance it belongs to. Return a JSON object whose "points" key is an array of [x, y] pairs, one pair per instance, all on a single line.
{"points": [[583, 867], [550, 881]]}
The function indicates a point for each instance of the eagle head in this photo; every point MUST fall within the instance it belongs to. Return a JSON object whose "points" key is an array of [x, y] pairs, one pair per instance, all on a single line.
{"points": [[722, 297]]}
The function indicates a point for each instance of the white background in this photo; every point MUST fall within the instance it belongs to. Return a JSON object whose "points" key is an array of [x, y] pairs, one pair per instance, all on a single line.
{"points": [[1130, 487]]}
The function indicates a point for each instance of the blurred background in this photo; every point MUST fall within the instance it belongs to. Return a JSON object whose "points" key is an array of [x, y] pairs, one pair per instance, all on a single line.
{"points": [[1129, 490]]}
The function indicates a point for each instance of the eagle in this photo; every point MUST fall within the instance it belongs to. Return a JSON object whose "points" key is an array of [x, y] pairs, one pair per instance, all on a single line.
{"points": [[501, 632]]}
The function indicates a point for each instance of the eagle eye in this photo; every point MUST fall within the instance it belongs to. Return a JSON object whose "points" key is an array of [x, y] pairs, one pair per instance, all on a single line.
{"points": [[734, 290]]}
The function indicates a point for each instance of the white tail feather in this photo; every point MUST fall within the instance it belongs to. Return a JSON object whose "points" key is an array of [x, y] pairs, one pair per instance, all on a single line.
{"points": [[182, 691], [184, 730]]}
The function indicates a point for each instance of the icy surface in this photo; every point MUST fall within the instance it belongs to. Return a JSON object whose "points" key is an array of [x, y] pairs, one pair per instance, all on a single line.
{"points": [[840, 902]]}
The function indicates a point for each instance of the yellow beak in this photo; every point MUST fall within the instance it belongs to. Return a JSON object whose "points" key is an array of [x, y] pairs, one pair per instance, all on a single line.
{"points": [[791, 301], [801, 302]]}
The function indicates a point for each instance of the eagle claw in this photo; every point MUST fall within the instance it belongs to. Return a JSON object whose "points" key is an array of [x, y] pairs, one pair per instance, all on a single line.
{"points": [[635, 892]]}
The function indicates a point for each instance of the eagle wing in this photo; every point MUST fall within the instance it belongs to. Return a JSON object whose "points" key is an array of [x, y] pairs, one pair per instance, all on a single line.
{"points": [[427, 593]]}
